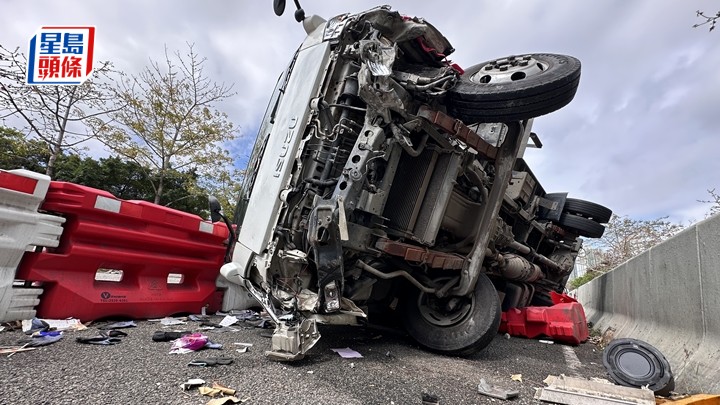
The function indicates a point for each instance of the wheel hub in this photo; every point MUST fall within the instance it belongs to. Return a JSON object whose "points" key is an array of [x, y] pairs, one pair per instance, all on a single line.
{"points": [[445, 311], [510, 69]]}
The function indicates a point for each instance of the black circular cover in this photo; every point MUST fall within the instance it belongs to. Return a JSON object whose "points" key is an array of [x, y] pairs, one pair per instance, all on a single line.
{"points": [[634, 363]]}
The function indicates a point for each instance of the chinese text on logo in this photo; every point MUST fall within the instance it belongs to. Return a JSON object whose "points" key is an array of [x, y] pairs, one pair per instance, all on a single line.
{"points": [[61, 55]]}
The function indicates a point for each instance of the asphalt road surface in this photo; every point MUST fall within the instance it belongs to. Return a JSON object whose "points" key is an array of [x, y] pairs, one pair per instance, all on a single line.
{"points": [[393, 370]]}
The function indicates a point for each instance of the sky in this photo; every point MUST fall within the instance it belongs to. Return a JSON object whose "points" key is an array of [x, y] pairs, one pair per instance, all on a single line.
{"points": [[641, 136]]}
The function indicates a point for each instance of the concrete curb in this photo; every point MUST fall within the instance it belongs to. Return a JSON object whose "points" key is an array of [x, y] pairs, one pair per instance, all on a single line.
{"points": [[668, 296]]}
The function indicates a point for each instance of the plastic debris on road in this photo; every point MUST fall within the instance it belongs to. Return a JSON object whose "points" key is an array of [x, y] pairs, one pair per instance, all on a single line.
{"points": [[570, 391], [243, 347], [347, 353], [516, 377], [494, 392], [192, 383], [211, 361], [119, 325], [189, 343], [634, 363], [228, 320], [429, 399], [169, 321], [44, 338], [30, 326]]}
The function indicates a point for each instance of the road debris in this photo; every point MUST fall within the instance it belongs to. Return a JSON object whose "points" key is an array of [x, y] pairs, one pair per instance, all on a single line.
{"points": [[569, 390], [429, 399], [109, 338], [163, 336], [243, 347], [494, 392], [516, 377], [119, 325], [227, 400], [347, 353], [697, 399], [189, 343], [634, 363], [211, 361], [192, 383], [169, 321], [547, 342], [30, 326], [228, 320], [44, 338], [216, 390], [14, 349]]}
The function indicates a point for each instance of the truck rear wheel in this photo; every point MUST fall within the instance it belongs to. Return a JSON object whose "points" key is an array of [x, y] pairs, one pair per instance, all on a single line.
{"points": [[453, 325]]}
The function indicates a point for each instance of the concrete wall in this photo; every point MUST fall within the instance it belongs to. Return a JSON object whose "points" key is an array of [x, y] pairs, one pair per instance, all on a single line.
{"points": [[669, 296]]}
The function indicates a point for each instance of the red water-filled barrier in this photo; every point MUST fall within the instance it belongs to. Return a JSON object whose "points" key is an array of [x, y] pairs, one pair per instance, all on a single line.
{"points": [[120, 258], [563, 322]]}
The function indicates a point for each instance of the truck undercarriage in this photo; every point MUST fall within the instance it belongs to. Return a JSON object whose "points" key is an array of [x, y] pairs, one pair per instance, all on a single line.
{"points": [[385, 178]]}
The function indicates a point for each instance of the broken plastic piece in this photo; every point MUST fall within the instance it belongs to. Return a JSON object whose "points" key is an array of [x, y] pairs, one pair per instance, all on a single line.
{"points": [[516, 377], [169, 321], [571, 391], [494, 392], [189, 343], [429, 399], [347, 353], [212, 361], [119, 325], [192, 383]]}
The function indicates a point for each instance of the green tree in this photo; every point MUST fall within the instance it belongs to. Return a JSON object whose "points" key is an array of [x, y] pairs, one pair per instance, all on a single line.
{"points": [[170, 120], [56, 115], [16, 152]]}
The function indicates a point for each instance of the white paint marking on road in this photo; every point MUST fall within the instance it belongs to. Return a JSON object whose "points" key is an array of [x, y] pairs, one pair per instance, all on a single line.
{"points": [[572, 361]]}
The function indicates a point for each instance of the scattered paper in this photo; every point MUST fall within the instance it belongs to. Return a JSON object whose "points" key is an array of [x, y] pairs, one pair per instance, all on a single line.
{"points": [[57, 324], [516, 377], [168, 321], [347, 353], [243, 347], [228, 320]]}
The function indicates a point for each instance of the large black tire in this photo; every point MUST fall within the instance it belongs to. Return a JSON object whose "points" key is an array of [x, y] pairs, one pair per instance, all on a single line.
{"points": [[471, 333], [485, 93], [581, 226], [587, 209]]}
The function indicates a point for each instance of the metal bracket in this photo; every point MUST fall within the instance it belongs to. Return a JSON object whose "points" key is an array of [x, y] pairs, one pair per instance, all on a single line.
{"points": [[324, 237]]}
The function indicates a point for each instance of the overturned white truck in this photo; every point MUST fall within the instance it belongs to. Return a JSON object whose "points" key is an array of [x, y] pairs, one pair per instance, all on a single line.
{"points": [[384, 178]]}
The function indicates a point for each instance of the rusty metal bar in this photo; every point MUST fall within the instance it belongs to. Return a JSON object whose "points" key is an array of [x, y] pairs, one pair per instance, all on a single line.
{"points": [[459, 130], [412, 253]]}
